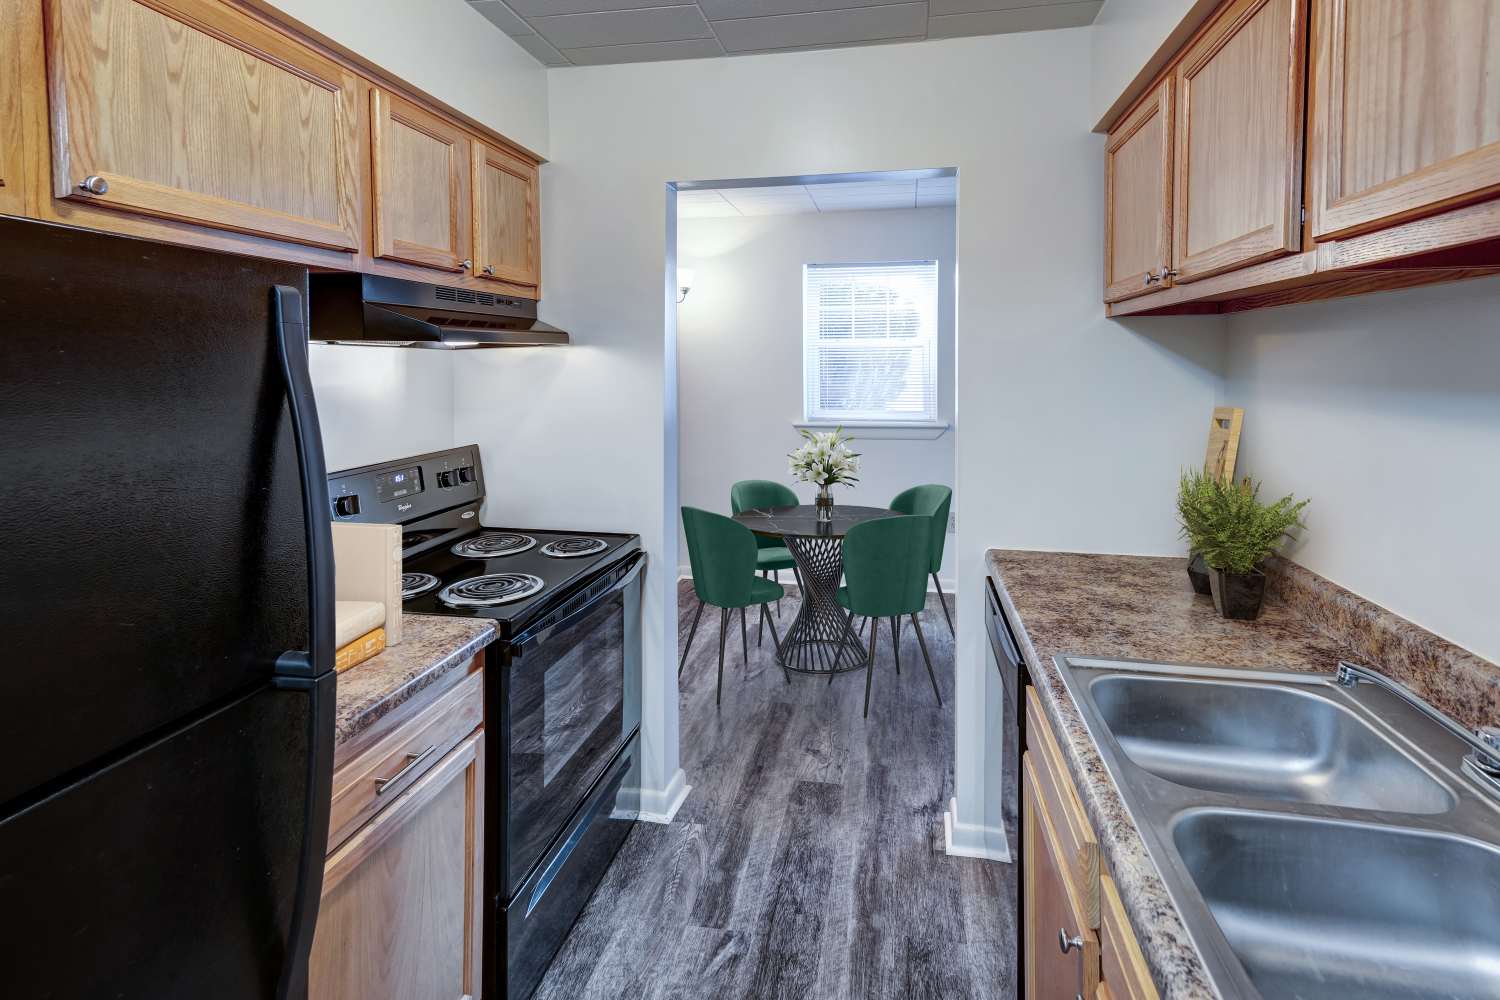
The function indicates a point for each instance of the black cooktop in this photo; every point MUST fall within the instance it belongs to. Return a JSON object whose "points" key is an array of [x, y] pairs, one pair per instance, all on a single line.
{"points": [[436, 499], [558, 574]]}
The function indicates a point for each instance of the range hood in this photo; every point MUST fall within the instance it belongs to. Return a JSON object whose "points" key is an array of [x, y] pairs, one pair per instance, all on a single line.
{"points": [[391, 312]]}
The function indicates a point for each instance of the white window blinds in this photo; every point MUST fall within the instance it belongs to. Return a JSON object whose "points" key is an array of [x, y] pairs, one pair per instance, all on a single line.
{"points": [[869, 334]]}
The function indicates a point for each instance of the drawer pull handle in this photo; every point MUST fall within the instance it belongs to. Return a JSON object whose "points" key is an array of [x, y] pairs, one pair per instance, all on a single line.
{"points": [[1066, 943], [412, 760]]}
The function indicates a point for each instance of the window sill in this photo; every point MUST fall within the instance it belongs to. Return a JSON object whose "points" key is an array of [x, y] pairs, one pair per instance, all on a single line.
{"points": [[909, 430]]}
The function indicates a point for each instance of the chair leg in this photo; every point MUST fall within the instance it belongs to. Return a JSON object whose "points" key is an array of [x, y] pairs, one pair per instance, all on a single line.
{"points": [[691, 633], [760, 632], [896, 641], [870, 671], [777, 640], [922, 641], [944, 602], [744, 641], [848, 633], [723, 634]]}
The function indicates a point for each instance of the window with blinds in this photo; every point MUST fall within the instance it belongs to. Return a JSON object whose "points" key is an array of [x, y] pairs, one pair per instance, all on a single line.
{"points": [[869, 334]]}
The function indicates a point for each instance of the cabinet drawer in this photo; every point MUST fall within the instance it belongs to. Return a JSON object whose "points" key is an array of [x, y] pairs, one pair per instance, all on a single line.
{"points": [[1054, 910], [1076, 840], [1125, 967], [370, 781]]}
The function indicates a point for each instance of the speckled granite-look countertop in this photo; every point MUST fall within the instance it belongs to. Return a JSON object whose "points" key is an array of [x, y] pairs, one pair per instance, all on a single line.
{"points": [[1142, 607], [431, 646]]}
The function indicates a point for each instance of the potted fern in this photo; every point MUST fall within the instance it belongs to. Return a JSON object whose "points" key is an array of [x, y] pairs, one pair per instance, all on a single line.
{"points": [[1195, 495], [1235, 531]]}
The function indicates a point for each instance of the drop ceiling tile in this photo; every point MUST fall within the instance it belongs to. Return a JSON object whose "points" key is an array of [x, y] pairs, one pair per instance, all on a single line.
{"points": [[942, 8], [542, 50], [623, 27], [770, 201], [999, 22], [547, 8], [822, 28], [718, 208], [686, 48], [502, 17], [728, 10]]}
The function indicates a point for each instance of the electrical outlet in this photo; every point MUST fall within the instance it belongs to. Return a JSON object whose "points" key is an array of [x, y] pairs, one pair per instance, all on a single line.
{"points": [[952, 522]]}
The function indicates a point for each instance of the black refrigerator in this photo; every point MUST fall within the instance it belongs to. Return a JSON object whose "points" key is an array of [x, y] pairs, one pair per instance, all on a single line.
{"points": [[166, 656]]}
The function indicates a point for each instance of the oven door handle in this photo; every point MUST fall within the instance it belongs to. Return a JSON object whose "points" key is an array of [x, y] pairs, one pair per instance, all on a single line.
{"points": [[545, 629]]}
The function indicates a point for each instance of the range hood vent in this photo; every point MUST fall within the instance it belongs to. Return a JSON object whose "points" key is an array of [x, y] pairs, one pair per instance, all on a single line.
{"points": [[390, 312]]}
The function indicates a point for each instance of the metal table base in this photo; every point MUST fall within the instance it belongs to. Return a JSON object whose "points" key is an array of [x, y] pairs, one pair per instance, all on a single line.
{"points": [[820, 640]]}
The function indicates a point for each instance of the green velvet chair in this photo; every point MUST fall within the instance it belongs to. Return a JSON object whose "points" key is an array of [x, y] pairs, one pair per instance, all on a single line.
{"points": [[721, 552], [885, 574], [931, 501], [771, 555]]}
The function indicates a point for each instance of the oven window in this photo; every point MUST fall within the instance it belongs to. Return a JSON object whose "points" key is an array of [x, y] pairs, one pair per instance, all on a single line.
{"points": [[567, 720]]}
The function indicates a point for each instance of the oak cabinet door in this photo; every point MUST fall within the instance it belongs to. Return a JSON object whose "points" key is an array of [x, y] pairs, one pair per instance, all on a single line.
{"points": [[506, 238], [402, 899], [199, 113], [421, 169], [1138, 199], [1238, 164], [1053, 910], [1406, 112]]}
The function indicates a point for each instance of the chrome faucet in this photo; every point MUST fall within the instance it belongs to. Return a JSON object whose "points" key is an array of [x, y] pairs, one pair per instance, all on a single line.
{"points": [[1482, 762]]}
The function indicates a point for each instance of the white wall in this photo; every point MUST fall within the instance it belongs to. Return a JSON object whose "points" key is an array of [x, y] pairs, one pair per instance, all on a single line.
{"points": [[1123, 37], [380, 403], [1072, 428], [1385, 410], [740, 350], [446, 48]]}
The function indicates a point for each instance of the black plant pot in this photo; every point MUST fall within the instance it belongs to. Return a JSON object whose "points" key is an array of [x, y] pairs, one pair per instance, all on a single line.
{"points": [[1198, 573], [1237, 595]]}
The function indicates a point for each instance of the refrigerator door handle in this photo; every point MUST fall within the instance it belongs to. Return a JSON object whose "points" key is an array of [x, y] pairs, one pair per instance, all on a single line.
{"points": [[291, 343], [308, 670], [322, 692]]}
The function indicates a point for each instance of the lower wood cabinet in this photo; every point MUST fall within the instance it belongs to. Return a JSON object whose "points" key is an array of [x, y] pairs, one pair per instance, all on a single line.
{"points": [[1078, 943], [1062, 952], [402, 899]]}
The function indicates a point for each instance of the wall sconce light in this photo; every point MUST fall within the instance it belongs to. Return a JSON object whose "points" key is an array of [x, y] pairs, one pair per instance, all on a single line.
{"points": [[684, 282]]}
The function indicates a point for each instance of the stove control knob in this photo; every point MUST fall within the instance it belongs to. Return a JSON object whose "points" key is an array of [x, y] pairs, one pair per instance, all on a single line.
{"points": [[466, 474], [447, 478], [346, 506]]}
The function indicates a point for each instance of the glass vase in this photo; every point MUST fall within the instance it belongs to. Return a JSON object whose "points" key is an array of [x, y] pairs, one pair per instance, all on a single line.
{"points": [[825, 504]]}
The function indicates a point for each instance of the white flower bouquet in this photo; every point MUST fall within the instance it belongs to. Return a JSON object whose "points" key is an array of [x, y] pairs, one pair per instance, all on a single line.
{"points": [[825, 460]]}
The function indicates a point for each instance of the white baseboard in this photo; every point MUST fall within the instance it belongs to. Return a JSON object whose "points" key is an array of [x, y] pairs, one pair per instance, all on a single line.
{"points": [[661, 805], [969, 840]]}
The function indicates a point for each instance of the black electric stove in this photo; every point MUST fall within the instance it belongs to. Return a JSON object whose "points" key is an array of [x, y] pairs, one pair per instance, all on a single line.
{"points": [[562, 689]]}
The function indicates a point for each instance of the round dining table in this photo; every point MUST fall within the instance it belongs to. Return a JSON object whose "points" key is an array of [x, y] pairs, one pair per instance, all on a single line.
{"points": [[820, 640]]}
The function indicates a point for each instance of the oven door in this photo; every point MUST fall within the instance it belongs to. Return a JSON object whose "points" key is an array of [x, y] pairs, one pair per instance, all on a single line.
{"points": [[571, 701]]}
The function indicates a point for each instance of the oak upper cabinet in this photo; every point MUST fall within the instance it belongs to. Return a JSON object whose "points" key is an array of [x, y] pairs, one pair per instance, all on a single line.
{"points": [[1238, 163], [1138, 199], [198, 112], [1405, 118], [421, 168], [1054, 916], [402, 899], [506, 231]]}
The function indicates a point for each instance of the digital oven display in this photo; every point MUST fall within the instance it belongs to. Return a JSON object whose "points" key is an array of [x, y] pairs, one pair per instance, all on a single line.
{"points": [[396, 485]]}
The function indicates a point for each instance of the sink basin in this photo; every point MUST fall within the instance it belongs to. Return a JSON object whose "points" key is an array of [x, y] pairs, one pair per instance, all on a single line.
{"points": [[1261, 741], [1318, 908]]}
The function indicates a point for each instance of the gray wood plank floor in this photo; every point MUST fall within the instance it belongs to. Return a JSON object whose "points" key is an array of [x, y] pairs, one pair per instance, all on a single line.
{"points": [[808, 861]]}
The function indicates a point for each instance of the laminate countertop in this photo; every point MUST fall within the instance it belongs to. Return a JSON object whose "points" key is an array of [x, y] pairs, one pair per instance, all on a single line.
{"points": [[431, 646], [1142, 607]]}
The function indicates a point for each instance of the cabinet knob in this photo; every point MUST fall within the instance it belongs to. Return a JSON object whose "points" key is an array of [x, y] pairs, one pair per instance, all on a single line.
{"points": [[466, 263], [94, 184], [1152, 277], [488, 269], [1067, 944]]}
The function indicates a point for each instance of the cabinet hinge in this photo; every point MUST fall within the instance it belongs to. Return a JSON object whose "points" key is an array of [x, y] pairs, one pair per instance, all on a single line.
{"points": [[1302, 214]]}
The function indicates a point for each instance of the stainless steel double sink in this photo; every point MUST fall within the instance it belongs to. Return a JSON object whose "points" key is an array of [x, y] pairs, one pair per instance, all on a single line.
{"points": [[1321, 837]]}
